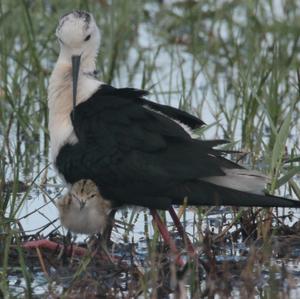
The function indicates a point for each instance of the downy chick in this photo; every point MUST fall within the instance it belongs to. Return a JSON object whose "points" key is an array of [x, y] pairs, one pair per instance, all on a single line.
{"points": [[83, 210]]}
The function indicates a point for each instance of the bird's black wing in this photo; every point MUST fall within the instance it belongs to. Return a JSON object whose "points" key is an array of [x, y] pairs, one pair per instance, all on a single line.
{"points": [[139, 156], [132, 152], [137, 95]]}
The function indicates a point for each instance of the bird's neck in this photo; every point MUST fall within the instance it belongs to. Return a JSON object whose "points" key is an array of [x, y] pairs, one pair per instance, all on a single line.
{"points": [[60, 85], [60, 101], [87, 62]]}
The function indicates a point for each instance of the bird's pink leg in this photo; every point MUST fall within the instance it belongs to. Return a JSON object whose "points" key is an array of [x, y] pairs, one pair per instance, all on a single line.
{"points": [[184, 236], [166, 236]]}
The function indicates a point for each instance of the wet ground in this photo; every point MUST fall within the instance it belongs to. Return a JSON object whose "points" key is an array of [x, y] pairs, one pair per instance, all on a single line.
{"points": [[232, 260]]}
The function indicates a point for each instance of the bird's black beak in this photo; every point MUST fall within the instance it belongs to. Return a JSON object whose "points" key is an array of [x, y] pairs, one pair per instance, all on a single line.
{"points": [[82, 204], [75, 73]]}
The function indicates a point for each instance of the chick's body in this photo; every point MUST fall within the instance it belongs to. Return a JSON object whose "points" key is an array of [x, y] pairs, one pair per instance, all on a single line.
{"points": [[83, 210]]}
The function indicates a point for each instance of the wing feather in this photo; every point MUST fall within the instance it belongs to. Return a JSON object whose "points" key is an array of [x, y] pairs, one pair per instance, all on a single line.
{"points": [[133, 153]]}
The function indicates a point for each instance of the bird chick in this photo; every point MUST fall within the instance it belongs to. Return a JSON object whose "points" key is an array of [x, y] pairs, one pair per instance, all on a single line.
{"points": [[83, 210]]}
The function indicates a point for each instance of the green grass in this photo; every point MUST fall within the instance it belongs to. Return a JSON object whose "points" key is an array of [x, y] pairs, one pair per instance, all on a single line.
{"points": [[235, 65]]}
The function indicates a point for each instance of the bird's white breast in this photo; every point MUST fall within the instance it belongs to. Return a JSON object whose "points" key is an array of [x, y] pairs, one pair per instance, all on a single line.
{"points": [[60, 104]]}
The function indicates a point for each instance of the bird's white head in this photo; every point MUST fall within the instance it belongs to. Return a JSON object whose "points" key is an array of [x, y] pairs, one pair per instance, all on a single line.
{"points": [[78, 36]]}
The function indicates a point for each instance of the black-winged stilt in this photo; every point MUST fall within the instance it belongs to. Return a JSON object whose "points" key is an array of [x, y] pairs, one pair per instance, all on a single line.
{"points": [[137, 152]]}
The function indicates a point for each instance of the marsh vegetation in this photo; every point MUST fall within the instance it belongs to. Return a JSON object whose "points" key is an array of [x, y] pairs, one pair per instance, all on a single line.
{"points": [[235, 64]]}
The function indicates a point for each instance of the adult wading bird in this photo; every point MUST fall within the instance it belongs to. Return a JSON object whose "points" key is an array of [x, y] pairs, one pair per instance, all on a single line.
{"points": [[136, 151]]}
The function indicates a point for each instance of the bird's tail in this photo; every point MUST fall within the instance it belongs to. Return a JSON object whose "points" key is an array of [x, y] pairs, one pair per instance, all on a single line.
{"points": [[207, 193]]}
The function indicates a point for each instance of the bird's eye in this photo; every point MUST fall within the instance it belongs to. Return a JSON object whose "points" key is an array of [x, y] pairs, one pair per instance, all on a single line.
{"points": [[87, 38]]}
